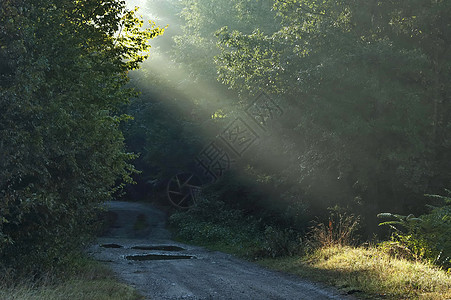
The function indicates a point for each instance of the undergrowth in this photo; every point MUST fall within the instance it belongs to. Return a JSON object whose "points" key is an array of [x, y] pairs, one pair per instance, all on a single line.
{"points": [[216, 226], [426, 237], [328, 252]]}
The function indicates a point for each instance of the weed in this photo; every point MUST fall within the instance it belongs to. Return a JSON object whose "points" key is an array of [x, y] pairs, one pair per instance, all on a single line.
{"points": [[338, 230]]}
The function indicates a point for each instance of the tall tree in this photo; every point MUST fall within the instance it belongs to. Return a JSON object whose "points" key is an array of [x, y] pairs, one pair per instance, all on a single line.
{"points": [[367, 96], [64, 70], [196, 47]]}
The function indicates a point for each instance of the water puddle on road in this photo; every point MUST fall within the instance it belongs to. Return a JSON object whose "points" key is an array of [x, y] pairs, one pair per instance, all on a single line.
{"points": [[159, 248], [157, 257], [110, 246]]}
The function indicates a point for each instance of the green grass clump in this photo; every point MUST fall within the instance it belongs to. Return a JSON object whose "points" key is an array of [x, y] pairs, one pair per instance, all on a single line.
{"points": [[369, 273]]}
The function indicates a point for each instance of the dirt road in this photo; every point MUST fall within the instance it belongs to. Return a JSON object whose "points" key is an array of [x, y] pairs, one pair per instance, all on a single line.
{"points": [[139, 249]]}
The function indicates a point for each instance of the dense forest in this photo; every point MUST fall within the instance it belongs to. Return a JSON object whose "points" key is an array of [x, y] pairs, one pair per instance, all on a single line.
{"points": [[296, 111], [288, 112]]}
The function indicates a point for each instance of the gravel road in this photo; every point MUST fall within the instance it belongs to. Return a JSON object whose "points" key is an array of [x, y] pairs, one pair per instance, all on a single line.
{"points": [[140, 250]]}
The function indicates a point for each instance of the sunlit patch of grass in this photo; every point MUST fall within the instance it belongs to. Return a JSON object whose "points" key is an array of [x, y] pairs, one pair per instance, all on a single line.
{"points": [[88, 280], [369, 273]]}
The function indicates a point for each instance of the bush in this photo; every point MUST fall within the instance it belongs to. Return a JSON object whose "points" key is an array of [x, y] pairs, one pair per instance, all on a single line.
{"points": [[213, 223], [281, 242], [425, 237]]}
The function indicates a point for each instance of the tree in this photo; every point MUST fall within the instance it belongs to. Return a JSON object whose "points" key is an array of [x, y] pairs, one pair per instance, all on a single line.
{"points": [[196, 47], [66, 65], [366, 96]]}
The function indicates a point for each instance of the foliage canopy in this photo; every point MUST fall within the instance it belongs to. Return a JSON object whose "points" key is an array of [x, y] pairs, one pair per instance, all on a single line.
{"points": [[366, 97], [63, 72]]}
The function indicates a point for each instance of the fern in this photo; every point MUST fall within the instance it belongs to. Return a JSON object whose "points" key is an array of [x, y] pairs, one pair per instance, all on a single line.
{"points": [[427, 236]]}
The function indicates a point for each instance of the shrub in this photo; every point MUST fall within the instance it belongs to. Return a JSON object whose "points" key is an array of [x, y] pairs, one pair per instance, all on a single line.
{"points": [[425, 237], [213, 222], [281, 242]]}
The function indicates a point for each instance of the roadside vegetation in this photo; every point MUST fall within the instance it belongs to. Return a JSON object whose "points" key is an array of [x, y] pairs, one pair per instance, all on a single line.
{"points": [[368, 272], [81, 279], [412, 264], [352, 131]]}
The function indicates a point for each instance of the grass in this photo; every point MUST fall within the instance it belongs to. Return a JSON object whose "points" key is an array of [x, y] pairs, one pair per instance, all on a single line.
{"points": [[365, 272], [88, 280], [368, 273]]}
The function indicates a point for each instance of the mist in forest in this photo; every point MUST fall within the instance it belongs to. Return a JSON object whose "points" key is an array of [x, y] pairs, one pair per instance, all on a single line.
{"points": [[313, 111], [259, 123]]}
